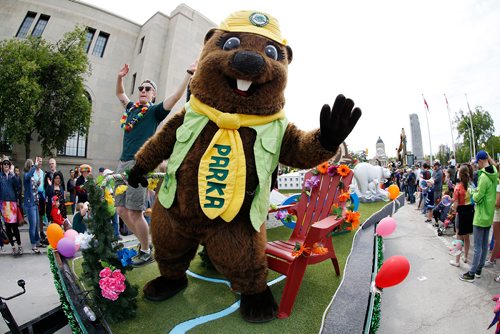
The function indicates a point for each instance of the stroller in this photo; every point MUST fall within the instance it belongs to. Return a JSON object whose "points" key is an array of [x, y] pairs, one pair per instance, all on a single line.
{"points": [[441, 215]]}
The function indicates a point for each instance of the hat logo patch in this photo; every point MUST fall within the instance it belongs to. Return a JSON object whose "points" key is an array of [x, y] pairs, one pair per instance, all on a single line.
{"points": [[259, 19]]}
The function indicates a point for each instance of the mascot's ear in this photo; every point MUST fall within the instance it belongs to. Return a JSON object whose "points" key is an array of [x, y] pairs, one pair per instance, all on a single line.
{"points": [[289, 53], [209, 35]]}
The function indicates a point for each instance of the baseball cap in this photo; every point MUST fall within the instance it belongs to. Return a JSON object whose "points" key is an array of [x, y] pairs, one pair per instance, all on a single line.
{"points": [[107, 172], [481, 155]]}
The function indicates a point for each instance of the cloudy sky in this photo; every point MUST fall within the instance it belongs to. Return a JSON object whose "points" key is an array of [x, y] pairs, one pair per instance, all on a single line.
{"points": [[382, 54]]}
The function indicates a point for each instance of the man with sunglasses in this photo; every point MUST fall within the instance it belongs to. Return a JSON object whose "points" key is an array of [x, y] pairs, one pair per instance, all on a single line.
{"points": [[139, 122]]}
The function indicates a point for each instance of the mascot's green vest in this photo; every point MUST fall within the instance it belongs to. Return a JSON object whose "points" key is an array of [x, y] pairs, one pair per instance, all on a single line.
{"points": [[266, 150]]}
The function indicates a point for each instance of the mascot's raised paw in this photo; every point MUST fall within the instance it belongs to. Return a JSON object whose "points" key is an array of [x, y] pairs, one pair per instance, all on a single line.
{"points": [[259, 307], [336, 123]]}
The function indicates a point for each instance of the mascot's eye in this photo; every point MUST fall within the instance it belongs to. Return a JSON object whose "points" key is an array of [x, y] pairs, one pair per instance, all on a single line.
{"points": [[271, 52], [231, 43]]}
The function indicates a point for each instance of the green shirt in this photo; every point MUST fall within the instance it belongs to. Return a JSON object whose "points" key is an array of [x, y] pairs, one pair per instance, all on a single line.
{"points": [[143, 129]]}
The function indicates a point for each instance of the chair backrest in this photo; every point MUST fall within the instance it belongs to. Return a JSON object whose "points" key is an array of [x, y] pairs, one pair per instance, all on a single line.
{"points": [[317, 206]]}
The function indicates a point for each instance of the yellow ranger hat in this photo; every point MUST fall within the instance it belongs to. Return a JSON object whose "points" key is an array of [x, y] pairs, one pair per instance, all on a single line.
{"points": [[254, 22]]}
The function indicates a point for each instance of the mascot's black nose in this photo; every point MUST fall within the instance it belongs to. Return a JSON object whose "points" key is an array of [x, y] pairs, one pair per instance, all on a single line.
{"points": [[248, 62]]}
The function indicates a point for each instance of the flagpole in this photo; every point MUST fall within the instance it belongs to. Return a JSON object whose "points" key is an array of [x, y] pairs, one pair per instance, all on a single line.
{"points": [[471, 126], [428, 128], [451, 126]]}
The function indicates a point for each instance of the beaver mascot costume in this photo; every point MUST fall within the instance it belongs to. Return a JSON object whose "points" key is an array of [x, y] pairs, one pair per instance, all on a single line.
{"points": [[223, 148]]}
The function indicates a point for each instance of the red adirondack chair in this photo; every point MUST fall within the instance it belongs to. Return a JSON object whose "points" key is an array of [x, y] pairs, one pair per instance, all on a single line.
{"points": [[313, 225]]}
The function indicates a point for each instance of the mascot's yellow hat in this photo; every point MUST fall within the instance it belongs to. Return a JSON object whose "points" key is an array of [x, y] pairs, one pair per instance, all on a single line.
{"points": [[254, 22]]}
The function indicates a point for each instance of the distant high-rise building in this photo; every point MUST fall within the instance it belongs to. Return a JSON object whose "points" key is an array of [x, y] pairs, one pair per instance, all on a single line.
{"points": [[416, 138]]}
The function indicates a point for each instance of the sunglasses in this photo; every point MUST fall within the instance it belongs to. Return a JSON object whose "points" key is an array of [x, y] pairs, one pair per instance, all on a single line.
{"points": [[147, 88]]}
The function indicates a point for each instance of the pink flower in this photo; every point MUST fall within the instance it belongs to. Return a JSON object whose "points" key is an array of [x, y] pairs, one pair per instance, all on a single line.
{"points": [[312, 182], [112, 283], [109, 294], [332, 170], [106, 272], [281, 214]]}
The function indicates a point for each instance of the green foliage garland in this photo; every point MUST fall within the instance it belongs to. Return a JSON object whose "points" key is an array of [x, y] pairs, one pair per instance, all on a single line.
{"points": [[376, 317], [104, 247], [73, 323]]}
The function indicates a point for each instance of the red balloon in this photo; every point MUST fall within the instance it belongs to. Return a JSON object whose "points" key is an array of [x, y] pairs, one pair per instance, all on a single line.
{"points": [[393, 271]]}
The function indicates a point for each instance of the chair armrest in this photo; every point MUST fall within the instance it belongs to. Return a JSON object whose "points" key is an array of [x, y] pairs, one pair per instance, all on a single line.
{"points": [[282, 207], [319, 230]]}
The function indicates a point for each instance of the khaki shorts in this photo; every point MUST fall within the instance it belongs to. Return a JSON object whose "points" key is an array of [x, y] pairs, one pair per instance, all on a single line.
{"points": [[133, 198]]}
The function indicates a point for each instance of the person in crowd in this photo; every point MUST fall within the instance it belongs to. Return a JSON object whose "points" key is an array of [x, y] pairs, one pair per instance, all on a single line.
{"points": [[55, 190], [38, 178], [429, 199], [463, 209], [484, 197], [9, 187], [48, 180], [80, 216], [57, 217], [496, 228], [81, 193], [411, 182], [31, 204], [17, 174], [70, 187], [424, 175], [438, 181], [139, 122]]}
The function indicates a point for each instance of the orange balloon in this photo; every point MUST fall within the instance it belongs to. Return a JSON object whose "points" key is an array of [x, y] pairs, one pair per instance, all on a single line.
{"points": [[393, 191], [54, 234]]}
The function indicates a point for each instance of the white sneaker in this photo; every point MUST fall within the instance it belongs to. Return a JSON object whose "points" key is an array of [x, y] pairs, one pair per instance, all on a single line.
{"points": [[455, 264], [489, 264]]}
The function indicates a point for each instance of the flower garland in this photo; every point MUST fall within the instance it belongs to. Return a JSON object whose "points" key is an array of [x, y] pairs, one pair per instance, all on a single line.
{"points": [[130, 125]]}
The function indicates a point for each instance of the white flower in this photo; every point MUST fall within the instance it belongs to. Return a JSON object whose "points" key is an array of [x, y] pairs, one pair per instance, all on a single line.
{"points": [[83, 239]]}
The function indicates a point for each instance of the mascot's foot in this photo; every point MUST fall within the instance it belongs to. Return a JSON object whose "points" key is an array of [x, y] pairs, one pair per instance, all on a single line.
{"points": [[260, 307], [162, 288]]}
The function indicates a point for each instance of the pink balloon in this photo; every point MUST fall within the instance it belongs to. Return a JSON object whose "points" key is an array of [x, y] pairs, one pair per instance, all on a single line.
{"points": [[66, 247], [386, 226], [71, 234]]}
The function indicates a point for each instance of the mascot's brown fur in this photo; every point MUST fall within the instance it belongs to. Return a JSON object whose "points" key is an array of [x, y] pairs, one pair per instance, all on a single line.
{"points": [[236, 249]]}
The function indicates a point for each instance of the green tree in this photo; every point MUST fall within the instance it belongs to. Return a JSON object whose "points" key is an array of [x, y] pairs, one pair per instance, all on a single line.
{"points": [[483, 128], [42, 90]]}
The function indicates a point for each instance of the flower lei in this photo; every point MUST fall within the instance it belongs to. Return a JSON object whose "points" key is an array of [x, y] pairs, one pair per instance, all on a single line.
{"points": [[130, 125]]}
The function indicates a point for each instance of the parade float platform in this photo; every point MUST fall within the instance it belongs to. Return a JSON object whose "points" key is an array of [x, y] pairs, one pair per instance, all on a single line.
{"points": [[326, 302]]}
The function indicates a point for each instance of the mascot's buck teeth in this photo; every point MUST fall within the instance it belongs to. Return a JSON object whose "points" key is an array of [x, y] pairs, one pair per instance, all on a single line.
{"points": [[243, 85]]}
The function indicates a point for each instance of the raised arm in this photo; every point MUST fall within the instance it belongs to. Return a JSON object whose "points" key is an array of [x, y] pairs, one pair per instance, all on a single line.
{"points": [[171, 100], [120, 89]]}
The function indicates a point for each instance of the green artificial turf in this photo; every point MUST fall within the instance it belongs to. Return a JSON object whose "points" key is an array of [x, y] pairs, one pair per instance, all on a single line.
{"points": [[201, 297]]}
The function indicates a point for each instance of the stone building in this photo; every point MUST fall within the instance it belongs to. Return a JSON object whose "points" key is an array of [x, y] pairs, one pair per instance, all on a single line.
{"points": [[416, 138], [160, 49]]}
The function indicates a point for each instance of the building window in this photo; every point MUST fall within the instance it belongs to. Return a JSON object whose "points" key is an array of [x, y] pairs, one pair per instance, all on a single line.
{"points": [[89, 36], [100, 44], [134, 77], [26, 25], [76, 146], [141, 44], [40, 25]]}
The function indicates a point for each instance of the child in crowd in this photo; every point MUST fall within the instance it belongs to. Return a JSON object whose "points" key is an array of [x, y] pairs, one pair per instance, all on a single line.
{"points": [[429, 199], [440, 212], [82, 210], [57, 216]]}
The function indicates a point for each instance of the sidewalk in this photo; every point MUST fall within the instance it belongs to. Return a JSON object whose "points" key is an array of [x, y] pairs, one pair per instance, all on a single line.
{"points": [[432, 299]]}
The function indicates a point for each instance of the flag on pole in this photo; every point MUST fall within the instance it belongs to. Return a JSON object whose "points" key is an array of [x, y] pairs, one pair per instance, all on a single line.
{"points": [[425, 102]]}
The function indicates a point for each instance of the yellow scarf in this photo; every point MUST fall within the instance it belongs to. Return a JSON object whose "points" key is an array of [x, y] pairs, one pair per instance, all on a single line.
{"points": [[222, 170]]}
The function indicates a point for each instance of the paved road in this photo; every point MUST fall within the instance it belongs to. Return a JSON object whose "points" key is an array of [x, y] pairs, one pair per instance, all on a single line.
{"points": [[41, 295], [432, 299]]}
